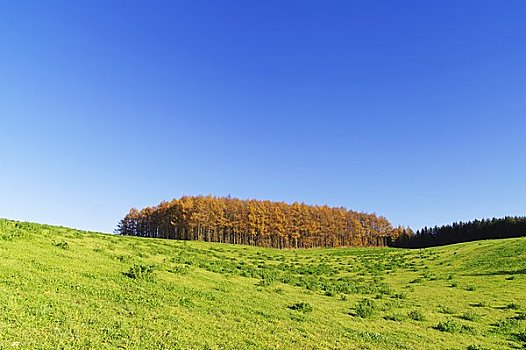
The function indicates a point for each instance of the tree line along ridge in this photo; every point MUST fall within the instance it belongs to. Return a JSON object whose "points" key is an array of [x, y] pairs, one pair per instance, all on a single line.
{"points": [[259, 223], [298, 225], [458, 232]]}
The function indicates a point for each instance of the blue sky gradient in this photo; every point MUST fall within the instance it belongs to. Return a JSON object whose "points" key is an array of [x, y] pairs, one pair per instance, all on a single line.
{"points": [[415, 110]]}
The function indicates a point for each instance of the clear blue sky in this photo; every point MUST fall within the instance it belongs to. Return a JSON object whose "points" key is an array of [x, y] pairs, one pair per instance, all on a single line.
{"points": [[415, 110]]}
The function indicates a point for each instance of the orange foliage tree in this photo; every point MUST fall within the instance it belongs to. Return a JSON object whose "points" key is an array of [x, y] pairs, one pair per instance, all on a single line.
{"points": [[258, 223]]}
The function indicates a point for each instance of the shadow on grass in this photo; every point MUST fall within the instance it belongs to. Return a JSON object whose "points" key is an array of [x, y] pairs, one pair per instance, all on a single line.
{"points": [[501, 273]]}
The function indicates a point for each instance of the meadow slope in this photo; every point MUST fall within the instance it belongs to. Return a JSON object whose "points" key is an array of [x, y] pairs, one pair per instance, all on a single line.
{"points": [[66, 289]]}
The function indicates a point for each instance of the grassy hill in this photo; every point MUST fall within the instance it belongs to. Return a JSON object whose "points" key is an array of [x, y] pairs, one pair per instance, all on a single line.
{"points": [[67, 289]]}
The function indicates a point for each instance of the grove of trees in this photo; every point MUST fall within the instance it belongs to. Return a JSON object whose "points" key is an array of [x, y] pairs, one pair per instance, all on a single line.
{"points": [[259, 223], [507, 227]]}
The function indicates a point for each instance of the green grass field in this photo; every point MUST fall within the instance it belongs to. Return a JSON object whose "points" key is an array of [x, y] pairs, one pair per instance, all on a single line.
{"points": [[66, 289]]}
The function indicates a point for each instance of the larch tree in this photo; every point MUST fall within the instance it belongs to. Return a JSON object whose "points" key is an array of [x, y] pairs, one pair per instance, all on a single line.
{"points": [[261, 223]]}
